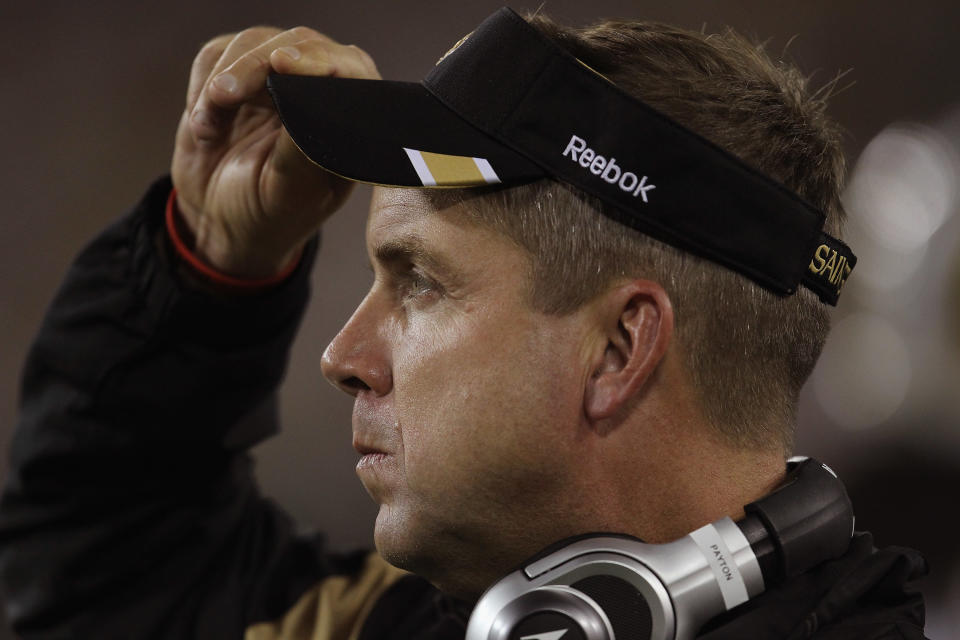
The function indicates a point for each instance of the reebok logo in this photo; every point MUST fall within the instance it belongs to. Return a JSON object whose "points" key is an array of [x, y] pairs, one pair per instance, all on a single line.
{"points": [[608, 169]]}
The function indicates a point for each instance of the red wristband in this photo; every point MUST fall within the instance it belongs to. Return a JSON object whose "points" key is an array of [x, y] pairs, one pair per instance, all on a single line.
{"points": [[208, 272]]}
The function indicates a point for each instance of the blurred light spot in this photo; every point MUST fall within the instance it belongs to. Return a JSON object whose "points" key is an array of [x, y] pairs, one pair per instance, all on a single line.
{"points": [[864, 373], [903, 186], [878, 267]]}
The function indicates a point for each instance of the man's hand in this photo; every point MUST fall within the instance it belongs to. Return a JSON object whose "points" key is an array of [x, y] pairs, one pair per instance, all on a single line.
{"points": [[251, 198]]}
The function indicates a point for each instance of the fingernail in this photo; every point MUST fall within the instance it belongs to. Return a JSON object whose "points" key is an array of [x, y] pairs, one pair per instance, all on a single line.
{"points": [[225, 82], [291, 52]]}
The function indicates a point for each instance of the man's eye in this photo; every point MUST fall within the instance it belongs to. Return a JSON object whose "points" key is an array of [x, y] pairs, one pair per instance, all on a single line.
{"points": [[418, 286]]}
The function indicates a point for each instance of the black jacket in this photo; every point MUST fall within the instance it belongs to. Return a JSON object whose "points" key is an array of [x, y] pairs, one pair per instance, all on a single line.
{"points": [[131, 510]]}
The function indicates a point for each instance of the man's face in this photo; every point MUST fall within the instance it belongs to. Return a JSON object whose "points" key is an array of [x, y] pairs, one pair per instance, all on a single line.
{"points": [[467, 401]]}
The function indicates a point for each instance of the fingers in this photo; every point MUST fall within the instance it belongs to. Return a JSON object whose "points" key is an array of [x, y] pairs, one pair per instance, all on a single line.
{"points": [[208, 120], [312, 54], [239, 74], [202, 66], [245, 76], [230, 71], [314, 57]]}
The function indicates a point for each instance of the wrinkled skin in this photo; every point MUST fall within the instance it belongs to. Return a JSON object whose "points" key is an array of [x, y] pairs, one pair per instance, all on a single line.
{"points": [[463, 397]]}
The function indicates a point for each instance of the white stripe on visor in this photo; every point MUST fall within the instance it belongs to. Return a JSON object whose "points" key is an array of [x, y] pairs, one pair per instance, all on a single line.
{"points": [[420, 167]]}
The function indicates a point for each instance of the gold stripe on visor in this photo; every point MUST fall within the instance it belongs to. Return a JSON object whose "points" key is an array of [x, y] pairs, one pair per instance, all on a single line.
{"points": [[438, 169]]}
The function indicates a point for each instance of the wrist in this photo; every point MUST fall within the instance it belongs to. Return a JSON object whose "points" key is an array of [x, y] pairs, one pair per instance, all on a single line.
{"points": [[248, 279]]}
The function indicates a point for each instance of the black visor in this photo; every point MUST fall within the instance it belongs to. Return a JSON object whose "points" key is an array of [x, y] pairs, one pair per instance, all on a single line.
{"points": [[507, 105]]}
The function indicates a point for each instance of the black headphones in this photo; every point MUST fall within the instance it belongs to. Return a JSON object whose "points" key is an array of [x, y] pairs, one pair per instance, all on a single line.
{"points": [[615, 587]]}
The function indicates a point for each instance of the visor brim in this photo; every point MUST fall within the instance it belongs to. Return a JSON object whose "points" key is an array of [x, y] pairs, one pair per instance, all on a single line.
{"points": [[391, 133]]}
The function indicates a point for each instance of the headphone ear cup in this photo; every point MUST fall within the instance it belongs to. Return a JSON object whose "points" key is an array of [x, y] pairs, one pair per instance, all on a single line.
{"points": [[597, 607], [553, 612], [624, 605], [594, 589]]}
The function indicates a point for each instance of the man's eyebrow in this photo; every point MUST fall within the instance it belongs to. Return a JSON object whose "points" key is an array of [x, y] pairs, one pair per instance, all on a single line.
{"points": [[413, 249]]}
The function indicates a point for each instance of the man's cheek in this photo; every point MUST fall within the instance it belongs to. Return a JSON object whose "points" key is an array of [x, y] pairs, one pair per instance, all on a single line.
{"points": [[448, 433]]}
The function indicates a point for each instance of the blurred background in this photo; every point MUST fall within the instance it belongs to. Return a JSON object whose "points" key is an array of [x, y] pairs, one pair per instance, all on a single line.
{"points": [[91, 95]]}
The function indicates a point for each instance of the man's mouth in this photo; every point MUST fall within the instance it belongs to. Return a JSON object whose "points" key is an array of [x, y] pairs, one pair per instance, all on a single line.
{"points": [[371, 460], [374, 438], [365, 449], [371, 456]]}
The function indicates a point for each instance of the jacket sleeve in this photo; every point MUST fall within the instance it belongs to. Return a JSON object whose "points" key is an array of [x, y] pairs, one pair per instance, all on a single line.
{"points": [[130, 510]]}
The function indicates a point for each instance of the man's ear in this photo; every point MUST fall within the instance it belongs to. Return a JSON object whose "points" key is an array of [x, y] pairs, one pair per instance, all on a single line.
{"points": [[636, 321]]}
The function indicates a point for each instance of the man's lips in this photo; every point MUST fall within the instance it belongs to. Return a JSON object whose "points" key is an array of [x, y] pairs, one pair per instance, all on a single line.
{"points": [[374, 440], [371, 454], [374, 465], [365, 449], [371, 434]]}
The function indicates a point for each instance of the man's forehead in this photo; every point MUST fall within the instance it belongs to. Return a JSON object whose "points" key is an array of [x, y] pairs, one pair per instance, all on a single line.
{"points": [[397, 206], [407, 219], [414, 225], [415, 212]]}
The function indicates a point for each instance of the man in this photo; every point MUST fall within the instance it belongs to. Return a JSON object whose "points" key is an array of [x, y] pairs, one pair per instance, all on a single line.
{"points": [[530, 363]]}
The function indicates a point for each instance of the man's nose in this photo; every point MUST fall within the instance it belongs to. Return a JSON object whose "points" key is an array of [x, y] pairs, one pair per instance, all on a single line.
{"points": [[358, 357]]}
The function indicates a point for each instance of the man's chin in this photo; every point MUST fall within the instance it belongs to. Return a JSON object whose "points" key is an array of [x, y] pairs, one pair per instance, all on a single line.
{"points": [[394, 540], [446, 563]]}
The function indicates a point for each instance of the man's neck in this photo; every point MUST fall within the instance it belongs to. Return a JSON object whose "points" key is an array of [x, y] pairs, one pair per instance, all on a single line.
{"points": [[665, 477]]}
